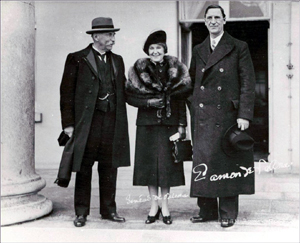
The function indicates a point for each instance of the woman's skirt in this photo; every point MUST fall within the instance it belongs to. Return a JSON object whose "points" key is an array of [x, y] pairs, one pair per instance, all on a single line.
{"points": [[154, 164]]}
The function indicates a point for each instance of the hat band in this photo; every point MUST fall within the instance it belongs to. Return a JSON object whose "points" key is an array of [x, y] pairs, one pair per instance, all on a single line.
{"points": [[102, 26]]}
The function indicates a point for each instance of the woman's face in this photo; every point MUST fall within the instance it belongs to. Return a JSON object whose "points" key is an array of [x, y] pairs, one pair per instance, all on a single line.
{"points": [[156, 53]]}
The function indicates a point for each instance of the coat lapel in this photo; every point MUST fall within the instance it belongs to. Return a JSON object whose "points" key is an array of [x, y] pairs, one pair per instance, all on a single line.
{"points": [[90, 58], [114, 65], [223, 48], [204, 50]]}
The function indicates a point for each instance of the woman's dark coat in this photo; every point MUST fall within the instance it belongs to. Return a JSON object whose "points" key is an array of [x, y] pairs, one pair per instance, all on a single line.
{"points": [[154, 164], [79, 92], [224, 85]]}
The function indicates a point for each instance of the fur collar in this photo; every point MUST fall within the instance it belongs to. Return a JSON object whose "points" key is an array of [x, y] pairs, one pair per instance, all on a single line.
{"points": [[142, 81]]}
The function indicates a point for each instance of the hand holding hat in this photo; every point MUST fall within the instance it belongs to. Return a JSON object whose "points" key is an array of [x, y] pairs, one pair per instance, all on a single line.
{"points": [[236, 141]]}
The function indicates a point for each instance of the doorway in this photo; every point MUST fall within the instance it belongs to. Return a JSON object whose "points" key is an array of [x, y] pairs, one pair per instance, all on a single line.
{"points": [[255, 33]]}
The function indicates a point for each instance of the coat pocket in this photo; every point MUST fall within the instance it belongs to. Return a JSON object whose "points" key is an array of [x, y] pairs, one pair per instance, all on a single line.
{"points": [[235, 104]]}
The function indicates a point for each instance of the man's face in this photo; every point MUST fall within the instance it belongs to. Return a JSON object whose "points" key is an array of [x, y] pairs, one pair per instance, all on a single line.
{"points": [[214, 21], [105, 41]]}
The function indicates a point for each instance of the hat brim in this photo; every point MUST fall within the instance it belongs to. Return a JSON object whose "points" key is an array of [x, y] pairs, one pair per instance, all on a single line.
{"points": [[103, 30], [227, 147]]}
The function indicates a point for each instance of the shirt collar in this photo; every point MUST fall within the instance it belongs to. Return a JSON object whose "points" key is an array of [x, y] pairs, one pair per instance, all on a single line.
{"points": [[101, 52], [217, 39]]}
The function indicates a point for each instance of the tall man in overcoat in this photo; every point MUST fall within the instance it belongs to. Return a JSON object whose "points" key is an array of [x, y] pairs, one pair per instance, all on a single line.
{"points": [[93, 114], [224, 84]]}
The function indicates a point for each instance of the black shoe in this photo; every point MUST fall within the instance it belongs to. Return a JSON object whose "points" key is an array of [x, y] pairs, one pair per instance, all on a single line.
{"points": [[201, 219], [114, 217], [167, 219], [227, 222], [80, 221], [151, 219]]}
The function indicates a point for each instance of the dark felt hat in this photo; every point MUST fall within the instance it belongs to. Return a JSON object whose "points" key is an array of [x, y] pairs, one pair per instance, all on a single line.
{"points": [[155, 37], [236, 141], [102, 24]]}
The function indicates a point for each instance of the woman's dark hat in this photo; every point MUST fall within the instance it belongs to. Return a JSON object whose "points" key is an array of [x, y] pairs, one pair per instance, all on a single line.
{"points": [[235, 141], [102, 25], [155, 37]]}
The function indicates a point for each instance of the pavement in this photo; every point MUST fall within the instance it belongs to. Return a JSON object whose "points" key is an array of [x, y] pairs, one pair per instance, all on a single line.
{"points": [[270, 215]]}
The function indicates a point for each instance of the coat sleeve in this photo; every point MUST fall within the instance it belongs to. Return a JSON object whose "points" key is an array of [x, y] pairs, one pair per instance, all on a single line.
{"points": [[192, 72], [136, 102], [182, 113], [247, 84], [67, 92]]}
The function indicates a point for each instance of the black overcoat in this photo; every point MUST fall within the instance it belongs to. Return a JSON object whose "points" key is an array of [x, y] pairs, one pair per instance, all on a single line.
{"points": [[224, 86], [79, 91]]}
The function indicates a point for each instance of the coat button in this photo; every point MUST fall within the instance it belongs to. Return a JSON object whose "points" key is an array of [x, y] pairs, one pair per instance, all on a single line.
{"points": [[90, 91], [217, 125], [202, 87], [93, 77], [219, 88], [203, 70], [86, 107], [160, 70], [221, 70], [218, 107], [201, 105], [159, 121]]}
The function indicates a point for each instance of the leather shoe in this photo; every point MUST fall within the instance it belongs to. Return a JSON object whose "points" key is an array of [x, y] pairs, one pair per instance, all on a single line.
{"points": [[80, 221], [167, 219], [114, 217], [152, 219], [200, 219], [227, 222]]}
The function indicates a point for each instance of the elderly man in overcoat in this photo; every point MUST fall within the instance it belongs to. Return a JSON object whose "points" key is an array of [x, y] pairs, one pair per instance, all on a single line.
{"points": [[93, 114], [224, 84]]}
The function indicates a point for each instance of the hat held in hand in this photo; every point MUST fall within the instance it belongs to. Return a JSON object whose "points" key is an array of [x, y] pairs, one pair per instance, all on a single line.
{"points": [[235, 141]]}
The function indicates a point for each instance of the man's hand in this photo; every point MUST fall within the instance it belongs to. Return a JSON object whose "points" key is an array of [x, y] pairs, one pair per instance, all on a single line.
{"points": [[69, 131], [182, 133], [243, 124], [156, 102]]}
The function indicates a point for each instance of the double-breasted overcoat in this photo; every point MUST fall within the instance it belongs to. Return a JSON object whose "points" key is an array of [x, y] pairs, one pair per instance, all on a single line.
{"points": [[79, 92], [224, 90]]}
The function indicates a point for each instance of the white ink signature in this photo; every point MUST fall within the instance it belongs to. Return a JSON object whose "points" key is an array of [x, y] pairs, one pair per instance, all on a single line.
{"points": [[147, 198], [200, 172]]}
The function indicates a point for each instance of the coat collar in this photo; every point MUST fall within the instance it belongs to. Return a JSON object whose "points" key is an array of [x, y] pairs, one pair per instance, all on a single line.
{"points": [[92, 62], [225, 46]]}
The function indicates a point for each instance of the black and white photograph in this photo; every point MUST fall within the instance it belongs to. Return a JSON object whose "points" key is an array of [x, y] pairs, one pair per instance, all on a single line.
{"points": [[150, 121]]}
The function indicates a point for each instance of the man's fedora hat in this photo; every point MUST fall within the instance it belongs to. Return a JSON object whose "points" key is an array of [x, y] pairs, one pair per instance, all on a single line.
{"points": [[157, 36], [235, 141], [102, 24]]}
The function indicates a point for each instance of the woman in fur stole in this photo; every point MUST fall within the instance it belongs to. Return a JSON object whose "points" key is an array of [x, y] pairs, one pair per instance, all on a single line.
{"points": [[158, 86]]}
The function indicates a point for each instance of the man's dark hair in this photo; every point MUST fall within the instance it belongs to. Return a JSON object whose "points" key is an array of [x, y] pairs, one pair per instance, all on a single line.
{"points": [[215, 6]]}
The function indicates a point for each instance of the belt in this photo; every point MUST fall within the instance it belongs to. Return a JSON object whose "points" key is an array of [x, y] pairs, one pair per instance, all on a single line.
{"points": [[106, 96]]}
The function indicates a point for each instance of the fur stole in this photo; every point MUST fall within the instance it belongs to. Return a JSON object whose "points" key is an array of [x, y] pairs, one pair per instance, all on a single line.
{"points": [[142, 82]]}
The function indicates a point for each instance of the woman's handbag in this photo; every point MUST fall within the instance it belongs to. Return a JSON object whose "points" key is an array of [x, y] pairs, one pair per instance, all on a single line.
{"points": [[182, 150]]}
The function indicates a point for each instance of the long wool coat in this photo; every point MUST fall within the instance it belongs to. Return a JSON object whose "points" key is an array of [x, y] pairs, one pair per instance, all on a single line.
{"points": [[224, 86], [79, 92]]}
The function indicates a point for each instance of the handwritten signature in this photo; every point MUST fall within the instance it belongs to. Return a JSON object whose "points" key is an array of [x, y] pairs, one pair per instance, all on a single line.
{"points": [[201, 171], [147, 198]]}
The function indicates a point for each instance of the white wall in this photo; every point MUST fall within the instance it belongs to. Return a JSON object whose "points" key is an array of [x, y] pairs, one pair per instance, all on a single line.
{"points": [[61, 29], [284, 92]]}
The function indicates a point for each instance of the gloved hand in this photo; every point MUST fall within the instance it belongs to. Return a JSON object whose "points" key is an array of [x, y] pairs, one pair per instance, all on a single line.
{"points": [[156, 102], [182, 133]]}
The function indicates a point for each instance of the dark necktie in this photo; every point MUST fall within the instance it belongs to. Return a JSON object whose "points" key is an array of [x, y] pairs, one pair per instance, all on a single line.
{"points": [[101, 55]]}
